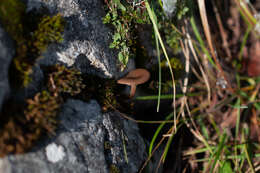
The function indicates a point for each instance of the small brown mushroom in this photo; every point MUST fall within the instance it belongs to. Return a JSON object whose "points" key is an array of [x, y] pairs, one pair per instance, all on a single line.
{"points": [[135, 77]]}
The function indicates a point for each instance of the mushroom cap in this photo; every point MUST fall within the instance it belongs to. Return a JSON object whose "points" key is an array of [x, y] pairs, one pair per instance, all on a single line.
{"points": [[135, 77]]}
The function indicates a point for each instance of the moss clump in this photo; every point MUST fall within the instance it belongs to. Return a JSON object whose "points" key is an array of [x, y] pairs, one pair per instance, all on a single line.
{"points": [[113, 169], [21, 129], [11, 16], [49, 30], [107, 145], [42, 110], [175, 64], [64, 80], [21, 126], [107, 97]]}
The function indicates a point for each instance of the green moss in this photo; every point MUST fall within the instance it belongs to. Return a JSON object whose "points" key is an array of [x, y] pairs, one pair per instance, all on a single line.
{"points": [[11, 15], [30, 42], [175, 64], [113, 169], [107, 145], [49, 31]]}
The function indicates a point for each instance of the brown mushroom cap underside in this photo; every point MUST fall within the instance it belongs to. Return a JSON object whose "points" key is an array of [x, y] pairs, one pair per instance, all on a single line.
{"points": [[135, 77]]}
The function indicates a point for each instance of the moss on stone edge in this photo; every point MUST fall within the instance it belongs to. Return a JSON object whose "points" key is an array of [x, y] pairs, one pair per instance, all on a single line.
{"points": [[30, 43]]}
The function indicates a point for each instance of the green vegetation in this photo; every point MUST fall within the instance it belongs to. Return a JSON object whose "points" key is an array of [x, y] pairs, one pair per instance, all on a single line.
{"points": [[220, 103], [124, 17]]}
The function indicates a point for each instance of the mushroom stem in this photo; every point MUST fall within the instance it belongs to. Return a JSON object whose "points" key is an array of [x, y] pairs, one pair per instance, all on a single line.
{"points": [[132, 91], [133, 78]]}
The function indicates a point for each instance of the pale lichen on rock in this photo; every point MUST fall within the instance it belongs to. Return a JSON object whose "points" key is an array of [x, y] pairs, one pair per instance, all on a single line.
{"points": [[55, 152]]}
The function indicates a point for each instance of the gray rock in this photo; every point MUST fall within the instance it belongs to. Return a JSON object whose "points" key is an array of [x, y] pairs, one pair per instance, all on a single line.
{"points": [[6, 55], [86, 38], [87, 141]]}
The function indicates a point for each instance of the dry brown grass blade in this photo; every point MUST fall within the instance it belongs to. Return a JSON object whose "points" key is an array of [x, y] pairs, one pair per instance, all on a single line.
{"points": [[254, 127], [243, 7], [186, 52], [201, 68], [203, 15], [223, 33]]}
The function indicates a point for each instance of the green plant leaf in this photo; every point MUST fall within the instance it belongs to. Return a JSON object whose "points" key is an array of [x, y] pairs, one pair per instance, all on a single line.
{"points": [[121, 57], [226, 168], [120, 6], [157, 133]]}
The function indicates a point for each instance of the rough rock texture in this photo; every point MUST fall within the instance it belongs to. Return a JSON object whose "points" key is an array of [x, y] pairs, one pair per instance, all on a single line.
{"points": [[85, 44], [86, 38], [86, 141], [6, 55]]}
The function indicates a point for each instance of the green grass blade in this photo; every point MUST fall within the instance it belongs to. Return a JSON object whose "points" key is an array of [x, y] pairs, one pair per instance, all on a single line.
{"points": [[229, 157], [167, 96], [237, 104], [159, 66], [238, 118], [152, 18], [203, 129], [226, 168], [219, 150], [244, 41], [200, 150], [157, 133], [202, 45], [167, 147], [248, 155]]}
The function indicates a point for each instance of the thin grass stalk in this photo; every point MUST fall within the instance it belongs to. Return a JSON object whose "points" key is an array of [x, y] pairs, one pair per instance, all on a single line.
{"points": [[160, 72], [249, 159], [237, 130], [221, 146], [168, 96], [201, 42], [166, 149], [223, 33], [200, 67], [139, 121], [203, 15], [155, 148], [248, 30], [245, 11], [152, 15], [157, 133]]}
